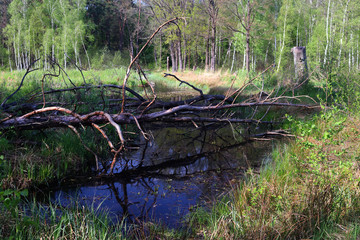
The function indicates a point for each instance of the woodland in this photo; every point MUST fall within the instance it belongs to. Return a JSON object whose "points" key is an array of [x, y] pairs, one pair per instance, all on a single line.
{"points": [[211, 35], [91, 89]]}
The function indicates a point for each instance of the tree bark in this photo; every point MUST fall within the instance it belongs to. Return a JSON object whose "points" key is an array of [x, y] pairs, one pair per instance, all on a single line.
{"points": [[300, 63], [207, 49], [213, 9], [180, 62], [173, 57]]}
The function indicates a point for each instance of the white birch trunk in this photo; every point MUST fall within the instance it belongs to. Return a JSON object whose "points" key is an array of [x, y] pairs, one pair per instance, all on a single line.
{"points": [[327, 31], [283, 39], [233, 60], [342, 32], [10, 59]]}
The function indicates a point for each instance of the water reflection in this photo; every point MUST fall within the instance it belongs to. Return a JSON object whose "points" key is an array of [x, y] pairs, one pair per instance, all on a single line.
{"points": [[165, 178]]}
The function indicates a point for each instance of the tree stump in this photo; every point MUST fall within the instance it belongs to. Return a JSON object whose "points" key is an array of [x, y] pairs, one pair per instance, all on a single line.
{"points": [[300, 63]]}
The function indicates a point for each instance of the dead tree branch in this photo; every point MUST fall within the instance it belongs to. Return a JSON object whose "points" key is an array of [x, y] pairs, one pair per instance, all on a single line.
{"points": [[28, 70], [181, 82], [137, 56], [30, 121]]}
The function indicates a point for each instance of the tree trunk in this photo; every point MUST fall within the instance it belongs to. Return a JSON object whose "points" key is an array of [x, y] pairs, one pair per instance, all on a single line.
{"points": [[10, 59], [207, 50], [233, 60], [180, 62], [248, 29], [156, 58], [167, 63], [213, 16], [300, 63], [160, 51], [343, 32], [247, 59], [283, 40], [185, 54], [173, 57], [327, 32], [227, 54]]}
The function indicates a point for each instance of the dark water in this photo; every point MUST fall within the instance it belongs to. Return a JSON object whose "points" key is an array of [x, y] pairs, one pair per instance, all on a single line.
{"points": [[178, 170]]}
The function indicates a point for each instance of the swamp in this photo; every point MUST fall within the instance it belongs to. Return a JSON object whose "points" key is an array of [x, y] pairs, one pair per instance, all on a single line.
{"points": [[215, 119]]}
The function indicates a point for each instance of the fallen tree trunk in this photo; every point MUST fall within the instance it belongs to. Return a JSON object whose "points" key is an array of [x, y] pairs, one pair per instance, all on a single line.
{"points": [[33, 121]]}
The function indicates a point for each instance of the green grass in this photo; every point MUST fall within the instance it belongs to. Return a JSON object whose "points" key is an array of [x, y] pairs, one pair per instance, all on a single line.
{"points": [[309, 191], [30, 158], [35, 220]]}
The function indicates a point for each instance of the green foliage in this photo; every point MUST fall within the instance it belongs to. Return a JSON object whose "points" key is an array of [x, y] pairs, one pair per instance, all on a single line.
{"points": [[48, 28], [81, 30], [10, 199]]}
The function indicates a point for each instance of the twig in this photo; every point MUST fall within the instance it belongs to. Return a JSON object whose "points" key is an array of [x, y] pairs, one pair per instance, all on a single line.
{"points": [[93, 86], [80, 70], [60, 109], [239, 90], [21, 83], [181, 82], [86, 147], [117, 127], [138, 125], [104, 135], [150, 85], [42, 84], [137, 56]]}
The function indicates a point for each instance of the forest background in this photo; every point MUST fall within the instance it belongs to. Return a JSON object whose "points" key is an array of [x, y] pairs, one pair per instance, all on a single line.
{"points": [[211, 34]]}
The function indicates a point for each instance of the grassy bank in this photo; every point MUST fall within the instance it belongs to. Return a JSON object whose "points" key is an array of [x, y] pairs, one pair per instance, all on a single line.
{"points": [[310, 190]]}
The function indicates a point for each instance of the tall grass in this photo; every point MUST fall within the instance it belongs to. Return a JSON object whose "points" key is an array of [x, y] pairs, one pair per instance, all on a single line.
{"points": [[309, 190], [37, 221]]}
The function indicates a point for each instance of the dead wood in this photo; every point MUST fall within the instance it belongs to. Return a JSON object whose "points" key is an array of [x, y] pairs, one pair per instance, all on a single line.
{"points": [[137, 56], [31, 114], [31, 120], [181, 82]]}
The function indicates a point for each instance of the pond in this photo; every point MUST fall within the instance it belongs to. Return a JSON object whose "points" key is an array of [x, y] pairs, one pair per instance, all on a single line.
{"points": [[179, 169]]}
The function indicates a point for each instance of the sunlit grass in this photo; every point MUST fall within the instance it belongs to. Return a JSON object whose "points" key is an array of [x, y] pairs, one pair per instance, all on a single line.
{"points": [[308, 191]]}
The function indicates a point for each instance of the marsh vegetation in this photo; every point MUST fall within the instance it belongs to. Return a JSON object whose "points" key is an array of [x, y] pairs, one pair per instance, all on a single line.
{"points": [[235, 143]]}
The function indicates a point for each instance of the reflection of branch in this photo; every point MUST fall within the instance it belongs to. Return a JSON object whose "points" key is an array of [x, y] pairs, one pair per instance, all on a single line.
{"points": [[132, 175], [181, 82]]}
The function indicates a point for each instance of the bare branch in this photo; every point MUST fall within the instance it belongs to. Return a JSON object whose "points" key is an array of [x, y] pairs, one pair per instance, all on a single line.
{"points": [[137, 56], [86, 147], [181, 82], [28, 70]]}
